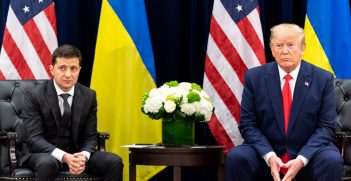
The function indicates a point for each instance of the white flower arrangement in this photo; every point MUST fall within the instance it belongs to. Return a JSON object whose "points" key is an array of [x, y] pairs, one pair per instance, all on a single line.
{"points": [[175, 100]]}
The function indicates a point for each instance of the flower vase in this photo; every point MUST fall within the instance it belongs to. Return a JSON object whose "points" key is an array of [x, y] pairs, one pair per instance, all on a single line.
{"points": [[178, 133]]}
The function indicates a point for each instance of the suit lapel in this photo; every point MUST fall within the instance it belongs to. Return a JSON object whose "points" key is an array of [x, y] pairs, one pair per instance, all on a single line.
{"points": [[51, 97], [77, 106], [275, 95], [303, 82]]}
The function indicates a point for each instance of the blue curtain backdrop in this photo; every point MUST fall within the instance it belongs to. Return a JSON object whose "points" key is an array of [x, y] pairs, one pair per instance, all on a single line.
{"points": [[179, 31]]}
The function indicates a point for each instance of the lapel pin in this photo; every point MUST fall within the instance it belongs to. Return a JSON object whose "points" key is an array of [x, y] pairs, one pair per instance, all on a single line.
{"points": [[307, 84]]}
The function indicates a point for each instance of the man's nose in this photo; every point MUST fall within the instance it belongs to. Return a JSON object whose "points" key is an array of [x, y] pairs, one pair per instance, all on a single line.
{"points": [[68, 73], [285, 49]]}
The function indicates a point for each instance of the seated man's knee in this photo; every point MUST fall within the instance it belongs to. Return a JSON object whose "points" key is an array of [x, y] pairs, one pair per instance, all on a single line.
{"points": [[333, 160], [49, 161], [238, 155], [116, 161], [326, 165], [45, 161], [107, 160]]}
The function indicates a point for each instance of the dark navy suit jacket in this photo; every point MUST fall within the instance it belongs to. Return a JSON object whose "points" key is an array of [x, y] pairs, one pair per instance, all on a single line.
{"points": [[312, 117]]}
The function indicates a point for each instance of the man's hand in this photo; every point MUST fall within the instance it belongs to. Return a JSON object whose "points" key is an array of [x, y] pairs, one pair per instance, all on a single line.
{"points": [[75, 162], [275, 164], [293, 167]]}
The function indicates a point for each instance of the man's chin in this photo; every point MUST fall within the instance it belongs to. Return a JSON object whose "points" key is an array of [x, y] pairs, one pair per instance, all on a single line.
{"points": [[288, 67], [67, 86]]}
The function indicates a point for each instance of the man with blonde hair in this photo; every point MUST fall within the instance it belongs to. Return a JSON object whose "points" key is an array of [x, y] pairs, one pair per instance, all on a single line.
{"points": [[287, 117]]}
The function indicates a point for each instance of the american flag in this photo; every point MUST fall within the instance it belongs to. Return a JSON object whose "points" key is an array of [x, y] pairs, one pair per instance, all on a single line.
{"points": [[235, 44], [29, 39]]}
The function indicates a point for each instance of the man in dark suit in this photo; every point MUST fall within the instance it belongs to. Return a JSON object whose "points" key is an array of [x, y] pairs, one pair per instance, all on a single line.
{"points": [[60, 117], [287, 117]]}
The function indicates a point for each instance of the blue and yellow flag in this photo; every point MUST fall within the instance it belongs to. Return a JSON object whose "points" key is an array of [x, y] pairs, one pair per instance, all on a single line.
{"points": [[328, 36], [123, 71]]}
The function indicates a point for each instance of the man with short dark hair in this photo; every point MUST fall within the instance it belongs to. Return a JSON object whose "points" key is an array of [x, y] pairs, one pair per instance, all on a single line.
{"points": [[60, 117]]}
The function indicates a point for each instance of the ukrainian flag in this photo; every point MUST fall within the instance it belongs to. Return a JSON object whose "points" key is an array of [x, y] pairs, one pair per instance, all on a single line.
{"points": [[123, 71], [328, 36]]}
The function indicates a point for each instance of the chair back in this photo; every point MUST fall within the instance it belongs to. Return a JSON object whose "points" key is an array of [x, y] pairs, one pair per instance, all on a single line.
{"points": [[12, 95], [342, 89]]}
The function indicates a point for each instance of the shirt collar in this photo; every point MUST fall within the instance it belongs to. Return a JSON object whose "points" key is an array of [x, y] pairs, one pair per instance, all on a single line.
{"points": [[293, 73], [60, 91]]}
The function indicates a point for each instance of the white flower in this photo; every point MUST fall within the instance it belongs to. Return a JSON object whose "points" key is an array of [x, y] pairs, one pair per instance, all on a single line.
{"points": [[185, 86], [153, 105], [188, 109], [170, 106], [206, 109], [153, 92], [204, 95], [173, 96]]}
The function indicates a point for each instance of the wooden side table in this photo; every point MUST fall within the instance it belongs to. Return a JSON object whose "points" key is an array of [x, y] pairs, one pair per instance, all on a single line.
{"points": [[177, 157]]}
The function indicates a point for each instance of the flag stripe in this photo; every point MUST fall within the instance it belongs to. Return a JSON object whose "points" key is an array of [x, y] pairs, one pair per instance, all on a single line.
{"points": [[228, 122], [51, 16], [1, 75], [228, 51], [16, 58], [38, 43], [46, 29], [223, 89], [224, 69], [235, 44], [6, 66], [254, 18], [218, 132], [25, 46], [250, 35]]}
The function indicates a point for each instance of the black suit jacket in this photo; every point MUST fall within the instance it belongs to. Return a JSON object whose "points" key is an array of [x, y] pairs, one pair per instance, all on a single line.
{"points": [[41, 117]]}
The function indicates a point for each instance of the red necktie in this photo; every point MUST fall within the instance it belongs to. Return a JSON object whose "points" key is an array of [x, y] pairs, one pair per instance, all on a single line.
{"points": [[287, 99], [286, 96]]}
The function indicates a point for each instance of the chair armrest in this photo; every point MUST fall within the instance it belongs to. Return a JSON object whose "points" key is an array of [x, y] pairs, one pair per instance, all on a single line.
{"points": [[3, 135], [102, 140], [10, 138], [341, 139]]}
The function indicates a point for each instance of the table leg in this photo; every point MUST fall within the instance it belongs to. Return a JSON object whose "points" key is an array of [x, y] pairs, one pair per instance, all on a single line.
{"points": [[132, 172], [177, 173], [221, 175]]}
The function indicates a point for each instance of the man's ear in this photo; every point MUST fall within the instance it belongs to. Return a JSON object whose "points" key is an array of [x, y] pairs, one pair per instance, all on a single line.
{"points": [[303, 51], [52, 70]]}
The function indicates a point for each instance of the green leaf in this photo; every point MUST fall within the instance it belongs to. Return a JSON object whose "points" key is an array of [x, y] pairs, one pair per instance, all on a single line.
{"points": [[199, 117], [168, 119], [142, 110], [179, 101], [143, 99], [179, 114], [160, 113]]}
